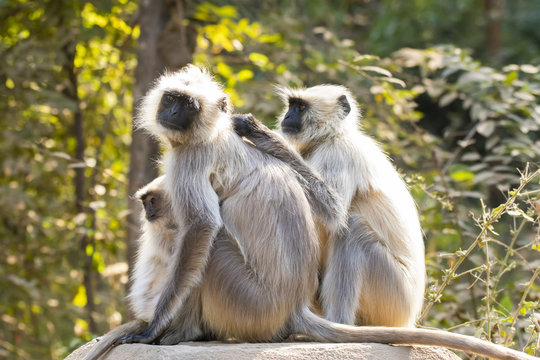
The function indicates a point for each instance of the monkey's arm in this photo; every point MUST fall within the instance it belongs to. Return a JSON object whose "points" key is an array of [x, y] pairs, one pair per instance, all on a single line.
{"points": [[324, 201], [339, 170], [200, 209]]}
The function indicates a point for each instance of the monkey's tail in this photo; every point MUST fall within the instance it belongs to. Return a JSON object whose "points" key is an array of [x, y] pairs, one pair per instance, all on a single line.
{"points": [[107, 341], [308, 323]]}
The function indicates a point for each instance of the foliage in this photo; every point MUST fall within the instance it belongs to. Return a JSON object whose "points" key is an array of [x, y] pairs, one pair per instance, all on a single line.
{"points": [[59, 59], [501, 317], [425, 23], [457, 128]]}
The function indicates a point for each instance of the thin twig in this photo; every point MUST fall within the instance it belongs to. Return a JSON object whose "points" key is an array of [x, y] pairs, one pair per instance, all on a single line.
{"points": [[492, 218], [516, 314]]}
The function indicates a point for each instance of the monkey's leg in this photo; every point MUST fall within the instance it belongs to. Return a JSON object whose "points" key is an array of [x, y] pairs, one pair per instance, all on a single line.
{"points": [[186, 326], [344, 273], [236, 303], [190, 262], [364, 278], [389, 294]]}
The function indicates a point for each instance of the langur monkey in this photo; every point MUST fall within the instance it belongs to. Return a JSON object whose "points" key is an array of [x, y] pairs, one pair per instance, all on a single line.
{"points": [[244, 260], [373, 273], [154, 255]]}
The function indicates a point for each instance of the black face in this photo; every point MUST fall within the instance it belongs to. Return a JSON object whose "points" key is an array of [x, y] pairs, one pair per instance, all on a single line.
{"points": [[152, 205], [292, 122], [178, 111]]}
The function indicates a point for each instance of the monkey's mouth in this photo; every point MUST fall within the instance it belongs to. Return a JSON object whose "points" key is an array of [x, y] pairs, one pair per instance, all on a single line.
{"points": [[291, 129], [152, 217], [173, 125]]}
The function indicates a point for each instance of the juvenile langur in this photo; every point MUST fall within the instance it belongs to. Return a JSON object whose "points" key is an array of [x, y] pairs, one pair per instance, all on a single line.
{"points": [[156, 246], [374, 273], [244, 264], [154, 256]]}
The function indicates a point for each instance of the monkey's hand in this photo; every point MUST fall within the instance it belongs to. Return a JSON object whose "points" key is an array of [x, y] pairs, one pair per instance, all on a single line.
{"points": [[322, 198], [245, 124]]}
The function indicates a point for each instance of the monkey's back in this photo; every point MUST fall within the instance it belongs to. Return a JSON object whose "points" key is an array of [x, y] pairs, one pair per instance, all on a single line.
{"points": [[265, 257], [379, 197]]}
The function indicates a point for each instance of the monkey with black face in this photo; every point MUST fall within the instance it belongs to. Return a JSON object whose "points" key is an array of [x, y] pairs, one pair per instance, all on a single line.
{"points": [[159, 230], [373, 273], [152, 265], [236, 271], [216, 183], [156, 246]]}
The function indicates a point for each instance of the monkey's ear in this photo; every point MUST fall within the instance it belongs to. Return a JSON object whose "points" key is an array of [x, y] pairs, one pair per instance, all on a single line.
{"points": [[223, 104], [342, 100]]}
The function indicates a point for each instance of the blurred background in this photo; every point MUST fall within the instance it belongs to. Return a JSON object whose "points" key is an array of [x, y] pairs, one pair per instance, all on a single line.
{"points": [[450, 89]]}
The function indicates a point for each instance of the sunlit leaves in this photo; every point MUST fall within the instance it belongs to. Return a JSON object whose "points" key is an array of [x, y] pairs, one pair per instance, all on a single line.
{"points": [[260, 60], [211, 13], [461, 173], [226, 35], [80, 298], [37, 160], [81, 327], [244, 75], [91, 17], [225, 32]]}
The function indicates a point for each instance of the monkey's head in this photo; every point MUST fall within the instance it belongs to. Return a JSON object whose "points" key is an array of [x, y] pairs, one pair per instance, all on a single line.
{"points": [[316, 112], [155, 202], [184, 106]]}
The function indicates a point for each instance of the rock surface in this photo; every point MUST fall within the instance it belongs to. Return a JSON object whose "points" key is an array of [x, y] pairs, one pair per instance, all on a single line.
{"points": [[270, 351]]}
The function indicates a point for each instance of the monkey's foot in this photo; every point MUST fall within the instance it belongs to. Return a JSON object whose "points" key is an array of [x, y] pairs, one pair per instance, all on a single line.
{"points": [[143, 338]]}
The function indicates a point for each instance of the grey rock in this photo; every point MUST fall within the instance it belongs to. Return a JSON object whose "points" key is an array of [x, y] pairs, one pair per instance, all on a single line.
{"points": [[269, 351]]}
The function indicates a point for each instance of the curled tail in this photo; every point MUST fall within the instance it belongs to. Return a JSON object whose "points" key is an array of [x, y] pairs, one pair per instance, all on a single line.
{"points": [[107, 341], [308, 323]]}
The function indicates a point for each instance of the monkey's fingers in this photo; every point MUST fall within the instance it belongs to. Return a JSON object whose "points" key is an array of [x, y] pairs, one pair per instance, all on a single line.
{"points": [[244, 124]]}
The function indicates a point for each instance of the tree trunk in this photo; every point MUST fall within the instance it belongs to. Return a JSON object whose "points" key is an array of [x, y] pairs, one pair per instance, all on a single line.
{"points": [[164, 43], [494, 12], [79, 182]]}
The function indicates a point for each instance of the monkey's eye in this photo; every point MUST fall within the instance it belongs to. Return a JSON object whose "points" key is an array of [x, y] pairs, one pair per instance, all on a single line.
{"points": [[302, 107], [169, 98]]}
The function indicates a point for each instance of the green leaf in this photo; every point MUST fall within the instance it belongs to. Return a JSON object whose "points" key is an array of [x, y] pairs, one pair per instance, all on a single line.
{"points": [[258, 59], [80, 299], [466, 176], [377, 70], [506, 303], [226, 11], [244, 75], [486, 128], [511, 77], [364, 58]]}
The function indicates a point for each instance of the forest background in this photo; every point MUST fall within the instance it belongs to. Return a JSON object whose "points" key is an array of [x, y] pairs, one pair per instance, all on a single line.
{"points": [[450, 89]]}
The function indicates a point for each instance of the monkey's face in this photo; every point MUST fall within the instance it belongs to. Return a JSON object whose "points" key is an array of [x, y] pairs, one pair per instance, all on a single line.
{"points": [[293, 119], [183, 106], [153, 205], [314, 113], [157, 211], [178, 111], [155, 202]]}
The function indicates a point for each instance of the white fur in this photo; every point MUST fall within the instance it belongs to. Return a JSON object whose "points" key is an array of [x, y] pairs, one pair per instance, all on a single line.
{"points": [[154, 255], [384, 263]]}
